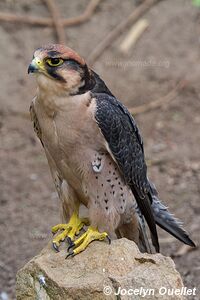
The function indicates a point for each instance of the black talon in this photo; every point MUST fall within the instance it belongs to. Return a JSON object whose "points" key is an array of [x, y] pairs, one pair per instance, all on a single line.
{"points": [[70, 254], [109, 239], [71, 246], [55, 247], [70, 250], [69, 241]]}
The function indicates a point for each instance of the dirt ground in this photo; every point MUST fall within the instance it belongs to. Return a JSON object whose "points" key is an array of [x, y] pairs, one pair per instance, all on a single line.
{"points": [[169, 51]]}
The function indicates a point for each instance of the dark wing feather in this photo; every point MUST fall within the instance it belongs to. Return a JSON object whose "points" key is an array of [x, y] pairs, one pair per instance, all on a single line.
{"points": [[125, 143]]}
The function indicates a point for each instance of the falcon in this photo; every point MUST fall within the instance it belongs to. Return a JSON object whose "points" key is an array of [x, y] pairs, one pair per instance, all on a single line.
{"points": [[96, 156]]}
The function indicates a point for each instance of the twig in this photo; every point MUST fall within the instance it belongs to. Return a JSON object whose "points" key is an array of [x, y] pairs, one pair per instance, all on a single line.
{"points": [[16, 113], [159, 102], [133, 17], [25, 19], [156, 162], [84, 16], [133, 35], [167, 240], [56, 20], [184, 249], [48, 21]]}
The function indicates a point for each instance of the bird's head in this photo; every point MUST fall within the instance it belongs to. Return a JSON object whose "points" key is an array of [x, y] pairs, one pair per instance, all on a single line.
{"points": [[60, 69]]}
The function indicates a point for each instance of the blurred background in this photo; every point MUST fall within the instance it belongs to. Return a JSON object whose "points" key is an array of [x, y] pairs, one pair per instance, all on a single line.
{"points": [[148, 53]]}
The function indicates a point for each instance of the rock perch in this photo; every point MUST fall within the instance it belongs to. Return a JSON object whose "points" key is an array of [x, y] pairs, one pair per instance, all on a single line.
{"points": [[100, 272]]}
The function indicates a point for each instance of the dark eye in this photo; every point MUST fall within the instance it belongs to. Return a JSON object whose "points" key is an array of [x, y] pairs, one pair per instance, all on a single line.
{"points": [[54, 62]]}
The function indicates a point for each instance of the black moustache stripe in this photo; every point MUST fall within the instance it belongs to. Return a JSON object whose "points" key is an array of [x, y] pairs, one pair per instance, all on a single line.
{"points": [[52, 72]]}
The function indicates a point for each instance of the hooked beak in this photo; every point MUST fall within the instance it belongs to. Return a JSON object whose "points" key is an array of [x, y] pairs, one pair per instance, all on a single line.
{"points": [[32, 68], [35, 66]]}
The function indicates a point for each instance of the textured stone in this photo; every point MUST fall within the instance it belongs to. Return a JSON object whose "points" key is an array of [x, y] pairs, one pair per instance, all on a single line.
{"points": [[100, 269]]}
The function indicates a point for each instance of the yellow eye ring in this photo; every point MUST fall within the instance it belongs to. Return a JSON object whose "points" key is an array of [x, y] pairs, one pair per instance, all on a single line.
{"points": [[54, 62]]}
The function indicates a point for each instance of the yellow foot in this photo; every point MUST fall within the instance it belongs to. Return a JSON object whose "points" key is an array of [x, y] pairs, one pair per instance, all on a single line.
{"points": [[83, 241], [69, 230]]}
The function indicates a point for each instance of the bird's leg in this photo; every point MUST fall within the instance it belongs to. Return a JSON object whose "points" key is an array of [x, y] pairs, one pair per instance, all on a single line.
{"points": [[85, 239], [69, 230]]}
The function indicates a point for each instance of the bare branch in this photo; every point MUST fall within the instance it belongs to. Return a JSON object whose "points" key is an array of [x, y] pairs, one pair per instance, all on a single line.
{"points": [[112, 35], [53, 9], [159, 102]]}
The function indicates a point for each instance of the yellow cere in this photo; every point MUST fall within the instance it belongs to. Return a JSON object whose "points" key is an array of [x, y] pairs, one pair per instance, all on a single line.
{"points": [[38, 63]]}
